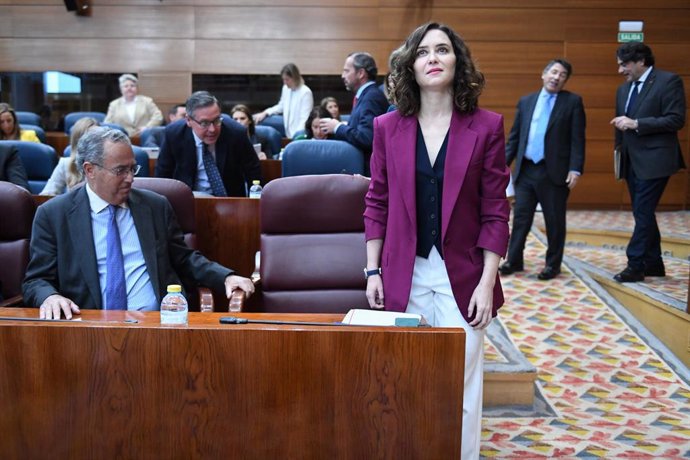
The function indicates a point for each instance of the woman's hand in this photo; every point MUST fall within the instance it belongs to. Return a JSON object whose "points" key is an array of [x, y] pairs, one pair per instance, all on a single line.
{"points": [[375, 292], [481, 303]]}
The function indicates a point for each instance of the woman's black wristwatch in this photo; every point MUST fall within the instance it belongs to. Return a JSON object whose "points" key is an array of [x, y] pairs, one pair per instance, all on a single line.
{"points": [[368, 273]]}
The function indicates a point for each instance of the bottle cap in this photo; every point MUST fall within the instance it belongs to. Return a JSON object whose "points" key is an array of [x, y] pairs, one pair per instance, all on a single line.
{"points": [[256, 182], [174, 288]]}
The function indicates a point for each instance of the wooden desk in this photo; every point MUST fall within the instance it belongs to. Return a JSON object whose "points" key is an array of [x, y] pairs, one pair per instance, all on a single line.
{"points": [[58, 140], [113, 389]]}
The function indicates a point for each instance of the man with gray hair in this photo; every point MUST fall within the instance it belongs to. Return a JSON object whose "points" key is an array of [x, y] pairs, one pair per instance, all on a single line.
{"points": [[107, 245], [359, 76], [211, 154]]}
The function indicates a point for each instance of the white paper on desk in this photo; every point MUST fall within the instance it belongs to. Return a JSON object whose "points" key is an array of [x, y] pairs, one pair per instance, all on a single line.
{"points": [[377, 317]]}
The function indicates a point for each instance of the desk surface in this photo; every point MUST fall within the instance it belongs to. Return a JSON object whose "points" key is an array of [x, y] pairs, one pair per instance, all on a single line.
{"points": [[144, 390]]}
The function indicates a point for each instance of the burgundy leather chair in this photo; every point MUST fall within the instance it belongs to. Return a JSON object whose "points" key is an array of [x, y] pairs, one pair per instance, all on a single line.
{"points": [[312, 244], [18, 211], [181, 199]]}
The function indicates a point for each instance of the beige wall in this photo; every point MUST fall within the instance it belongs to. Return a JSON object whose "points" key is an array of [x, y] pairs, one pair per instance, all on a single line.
{"points": [[165, 42]]}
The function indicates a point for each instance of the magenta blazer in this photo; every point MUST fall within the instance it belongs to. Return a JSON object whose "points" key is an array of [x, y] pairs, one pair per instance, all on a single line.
{"points": [[474, 206]]}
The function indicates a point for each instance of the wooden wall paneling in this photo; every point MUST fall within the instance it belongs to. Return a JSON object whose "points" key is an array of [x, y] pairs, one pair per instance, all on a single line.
{"points": [[514, 58], [96, 55], [597, 190], [506, 90], [600, 58], [539, 4], [166, 88], [597, 91], [161, 21]]}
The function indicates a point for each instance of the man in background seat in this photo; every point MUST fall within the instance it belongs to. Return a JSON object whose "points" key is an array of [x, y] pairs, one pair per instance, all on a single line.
{"points": [[11, 167], [211, 155]]}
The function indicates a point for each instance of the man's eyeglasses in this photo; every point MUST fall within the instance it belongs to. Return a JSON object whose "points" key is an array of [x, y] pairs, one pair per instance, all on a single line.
{"points": [[206, 124], [121, 170]]}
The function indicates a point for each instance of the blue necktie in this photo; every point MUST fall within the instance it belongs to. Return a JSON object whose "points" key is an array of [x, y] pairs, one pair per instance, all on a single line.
{"points": [[536, 147], [115, 287], [633, 97], [217, 187]]}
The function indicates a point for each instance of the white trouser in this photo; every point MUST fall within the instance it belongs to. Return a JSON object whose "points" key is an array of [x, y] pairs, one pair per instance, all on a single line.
{"points": [[432, 297]]}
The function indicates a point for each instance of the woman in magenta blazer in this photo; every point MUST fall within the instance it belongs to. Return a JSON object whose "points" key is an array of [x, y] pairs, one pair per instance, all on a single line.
{"points": [[436, 214]]}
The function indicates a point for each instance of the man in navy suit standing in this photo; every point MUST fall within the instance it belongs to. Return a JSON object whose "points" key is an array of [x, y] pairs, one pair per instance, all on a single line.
{"points": [[650, 110], [359, 76], [547, 142]]}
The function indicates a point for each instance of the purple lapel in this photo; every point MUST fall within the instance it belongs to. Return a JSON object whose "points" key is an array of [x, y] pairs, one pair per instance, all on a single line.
{"points": [[461, 142], [402, 151]]}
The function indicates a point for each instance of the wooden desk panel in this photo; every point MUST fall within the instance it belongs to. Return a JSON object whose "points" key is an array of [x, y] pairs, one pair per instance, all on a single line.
{"points": [[238, 391]]}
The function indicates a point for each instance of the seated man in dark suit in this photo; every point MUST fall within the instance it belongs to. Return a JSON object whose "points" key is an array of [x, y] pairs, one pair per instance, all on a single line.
{"points": [[359, 76], [11, 167], [155, 139], [211, 155], [106, 245]]}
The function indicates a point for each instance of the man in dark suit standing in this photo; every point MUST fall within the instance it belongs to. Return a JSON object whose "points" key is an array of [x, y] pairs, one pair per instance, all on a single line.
{"points": [[11, 167], [650, 110], [359, 76], [212, 155], [548, 143], [106, 245]]}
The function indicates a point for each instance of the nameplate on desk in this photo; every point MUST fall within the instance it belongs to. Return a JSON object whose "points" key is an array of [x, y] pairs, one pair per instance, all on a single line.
{"points": [[361, 317], [152, 152]]}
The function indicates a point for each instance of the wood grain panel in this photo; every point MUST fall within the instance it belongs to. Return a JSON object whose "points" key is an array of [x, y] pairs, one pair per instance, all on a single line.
{"points": [[95, 55], [515, 58], [597, 190], [166, 88], [600, 59], [539, 4], [106, 22], [505, 90], [227, 391], [312, 57]]}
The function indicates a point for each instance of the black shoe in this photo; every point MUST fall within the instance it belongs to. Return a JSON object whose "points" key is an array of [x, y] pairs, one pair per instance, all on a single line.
{"points": [[508, 269], [657, 270], [548, 273], [629, 275]]}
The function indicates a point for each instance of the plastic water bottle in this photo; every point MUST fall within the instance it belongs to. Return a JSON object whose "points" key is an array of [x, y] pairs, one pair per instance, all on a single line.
{"points": [[174, 306], [255, 190]]}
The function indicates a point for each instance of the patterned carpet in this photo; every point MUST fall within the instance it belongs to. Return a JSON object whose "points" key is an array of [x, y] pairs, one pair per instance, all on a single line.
{"points": [[614, 395]]}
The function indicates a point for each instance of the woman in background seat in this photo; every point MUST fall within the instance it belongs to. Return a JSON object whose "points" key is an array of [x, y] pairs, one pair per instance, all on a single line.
{"points": [[9, 127], [296, 101], [331, 105], [66, 175], [241, 114], [133, 112]]}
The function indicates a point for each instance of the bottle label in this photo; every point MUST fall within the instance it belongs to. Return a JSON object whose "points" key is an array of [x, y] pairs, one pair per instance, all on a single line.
{"points": [[174, 317]]}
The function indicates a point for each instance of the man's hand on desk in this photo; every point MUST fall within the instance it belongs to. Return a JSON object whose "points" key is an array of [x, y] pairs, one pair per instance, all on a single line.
{"points": [[51, 307], [234, 282]]}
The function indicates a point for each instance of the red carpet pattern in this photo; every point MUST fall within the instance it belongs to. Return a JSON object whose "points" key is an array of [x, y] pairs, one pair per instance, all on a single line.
{"points": [[616, 398]]}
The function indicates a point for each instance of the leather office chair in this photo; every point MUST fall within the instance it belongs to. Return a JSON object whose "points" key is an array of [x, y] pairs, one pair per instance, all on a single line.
{"points": [[321, 157], [71, 118], [270, 136], [40, 133], [113, 126], [145, 138], [15, 234], [181, 199], [39, 160], [276, 122], [312, 244], [28, 118]]}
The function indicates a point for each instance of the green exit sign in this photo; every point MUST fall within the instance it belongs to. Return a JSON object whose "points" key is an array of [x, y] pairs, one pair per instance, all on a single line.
{"points": [[630, 37]]}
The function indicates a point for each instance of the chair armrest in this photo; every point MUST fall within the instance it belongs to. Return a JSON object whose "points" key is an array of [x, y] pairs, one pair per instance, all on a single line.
{"points": [[16, 301], [205, 300], [238, 298]]}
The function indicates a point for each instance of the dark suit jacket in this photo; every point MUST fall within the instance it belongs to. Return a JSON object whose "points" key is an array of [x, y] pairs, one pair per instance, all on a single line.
{"points": [[564, 142], [11, 167], [235, 156], [653, 149], [359, 130], [474, 206], [63, 256]]}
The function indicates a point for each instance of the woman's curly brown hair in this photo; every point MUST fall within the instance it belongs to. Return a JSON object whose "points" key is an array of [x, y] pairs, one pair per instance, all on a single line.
{"points": [[468, 82]]}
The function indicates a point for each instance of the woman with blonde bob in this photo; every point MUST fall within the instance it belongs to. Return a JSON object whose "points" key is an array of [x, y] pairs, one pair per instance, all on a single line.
{"points": [[436, 217], [66, 176]]}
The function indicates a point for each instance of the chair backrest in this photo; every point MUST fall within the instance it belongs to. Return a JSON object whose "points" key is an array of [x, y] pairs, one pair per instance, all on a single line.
{"points": [[28, 118], [274, 121], [15, 233], [39, 160], [40, 133], [312, 244], [270, 136], [114, 126], [71, 118], [149, 137], [180, 197], [321, 157], [142, 159]]}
